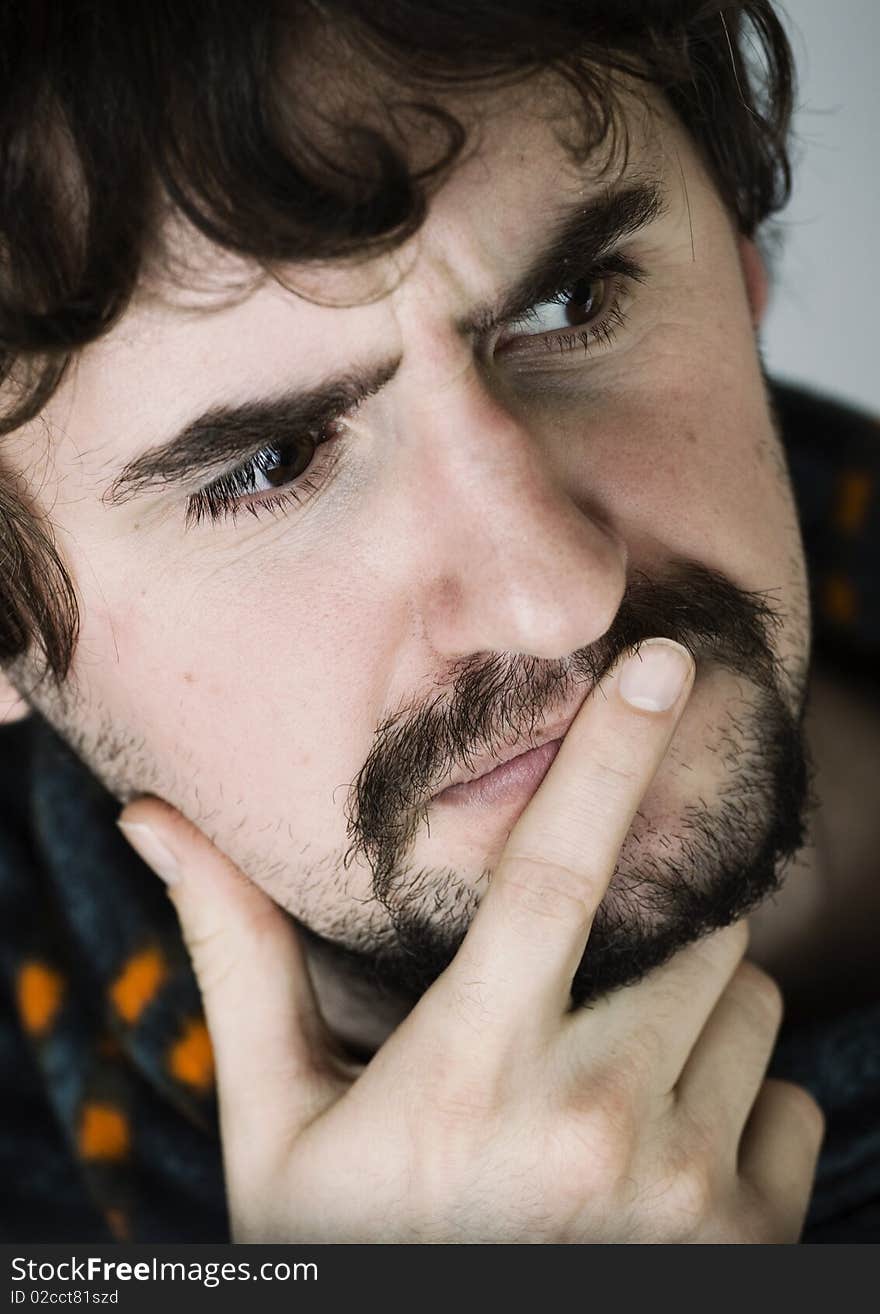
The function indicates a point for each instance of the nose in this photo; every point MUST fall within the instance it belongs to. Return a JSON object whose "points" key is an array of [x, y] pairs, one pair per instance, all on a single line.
{"points": [[513, 560]]}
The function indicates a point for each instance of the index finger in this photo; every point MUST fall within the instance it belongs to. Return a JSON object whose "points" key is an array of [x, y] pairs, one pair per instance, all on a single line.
{"points": [[533, 924]]}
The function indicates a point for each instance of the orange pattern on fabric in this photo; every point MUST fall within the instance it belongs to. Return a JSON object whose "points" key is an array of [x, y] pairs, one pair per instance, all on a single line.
{"points": [[137, 984], [103, 1132], [854, 488], [39, 989], [191, 1058], [838, 599]]}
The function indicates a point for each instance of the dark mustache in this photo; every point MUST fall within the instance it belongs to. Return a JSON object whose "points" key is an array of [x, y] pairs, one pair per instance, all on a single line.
{"points": [[505, 697]]}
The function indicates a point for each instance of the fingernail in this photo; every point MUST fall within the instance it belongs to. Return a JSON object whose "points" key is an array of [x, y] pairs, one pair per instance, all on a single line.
{"points": [[654, 676], [154, 852]]}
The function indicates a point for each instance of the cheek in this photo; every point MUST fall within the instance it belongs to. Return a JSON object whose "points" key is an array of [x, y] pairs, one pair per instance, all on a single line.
{"points": [[256, 692], [682, 459], [693, 462]]}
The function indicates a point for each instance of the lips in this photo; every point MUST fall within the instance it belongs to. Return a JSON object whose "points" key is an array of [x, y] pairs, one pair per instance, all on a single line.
{"points": [[483, 765], [508, 785]]}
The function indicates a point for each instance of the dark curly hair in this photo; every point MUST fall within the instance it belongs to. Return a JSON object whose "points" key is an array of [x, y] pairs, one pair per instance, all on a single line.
{"points": [[113, 116]]}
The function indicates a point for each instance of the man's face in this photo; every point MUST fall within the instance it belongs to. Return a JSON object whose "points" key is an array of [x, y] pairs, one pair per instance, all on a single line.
{"points": [[520, 496]]}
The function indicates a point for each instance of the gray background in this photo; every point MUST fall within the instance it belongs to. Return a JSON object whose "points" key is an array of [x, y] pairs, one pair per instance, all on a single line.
{"points": [[823, 325]]}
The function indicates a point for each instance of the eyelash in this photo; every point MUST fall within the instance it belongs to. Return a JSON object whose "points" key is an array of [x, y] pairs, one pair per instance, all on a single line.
{"points": [[622, 273], [222, 499]]}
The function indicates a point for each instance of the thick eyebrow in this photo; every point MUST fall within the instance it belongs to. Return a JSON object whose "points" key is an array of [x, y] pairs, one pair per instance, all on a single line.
{"points": [[228, 435], [580, 240]]}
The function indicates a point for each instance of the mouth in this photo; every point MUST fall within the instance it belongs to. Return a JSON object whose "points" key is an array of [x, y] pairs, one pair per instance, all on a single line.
{"points": [[508, 776], [511, 782]]}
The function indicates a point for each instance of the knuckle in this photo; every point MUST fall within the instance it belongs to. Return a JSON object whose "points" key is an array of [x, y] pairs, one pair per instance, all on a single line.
{"points": [[720, 952], [614, 771], [647, 1047], [799, 1103], [754, 1219], [603, 1155], [461, 1107], [536, 887], [733, 938], [605, 1127], [445, 1089], [610, 787], [758, 995], [212, 958], [689, 1189]]}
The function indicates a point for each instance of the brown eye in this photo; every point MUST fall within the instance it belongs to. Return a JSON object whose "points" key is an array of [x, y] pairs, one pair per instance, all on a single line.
{"points": [[287, 461], [587, 300], [292, 470], [580, 306]]}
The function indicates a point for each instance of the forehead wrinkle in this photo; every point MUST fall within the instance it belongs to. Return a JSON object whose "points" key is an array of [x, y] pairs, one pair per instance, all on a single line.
{"points": [[579, 237], [465, 259]]}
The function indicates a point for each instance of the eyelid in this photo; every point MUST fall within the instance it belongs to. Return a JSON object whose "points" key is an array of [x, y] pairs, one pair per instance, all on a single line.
{"points": [[332, 416], [611, 263], [220, 492], [226, 497], [614, 263], [514, 338]]}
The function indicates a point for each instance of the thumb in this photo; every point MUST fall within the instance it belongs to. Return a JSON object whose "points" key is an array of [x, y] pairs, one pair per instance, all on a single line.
{"points": [[277, 1064]]}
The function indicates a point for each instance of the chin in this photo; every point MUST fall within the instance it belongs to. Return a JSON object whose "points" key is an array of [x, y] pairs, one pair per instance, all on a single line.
{"points": [[707, 845]]}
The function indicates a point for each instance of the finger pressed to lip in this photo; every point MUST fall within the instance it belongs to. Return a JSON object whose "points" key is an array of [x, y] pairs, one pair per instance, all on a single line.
{"points": [[531, 929]]}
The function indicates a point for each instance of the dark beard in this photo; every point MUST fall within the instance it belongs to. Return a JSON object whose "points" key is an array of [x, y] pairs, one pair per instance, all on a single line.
{"points": [[729, 858]]}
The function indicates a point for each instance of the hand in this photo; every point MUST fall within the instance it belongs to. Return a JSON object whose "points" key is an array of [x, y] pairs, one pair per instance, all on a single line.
{"points": [[492, 1113]]}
